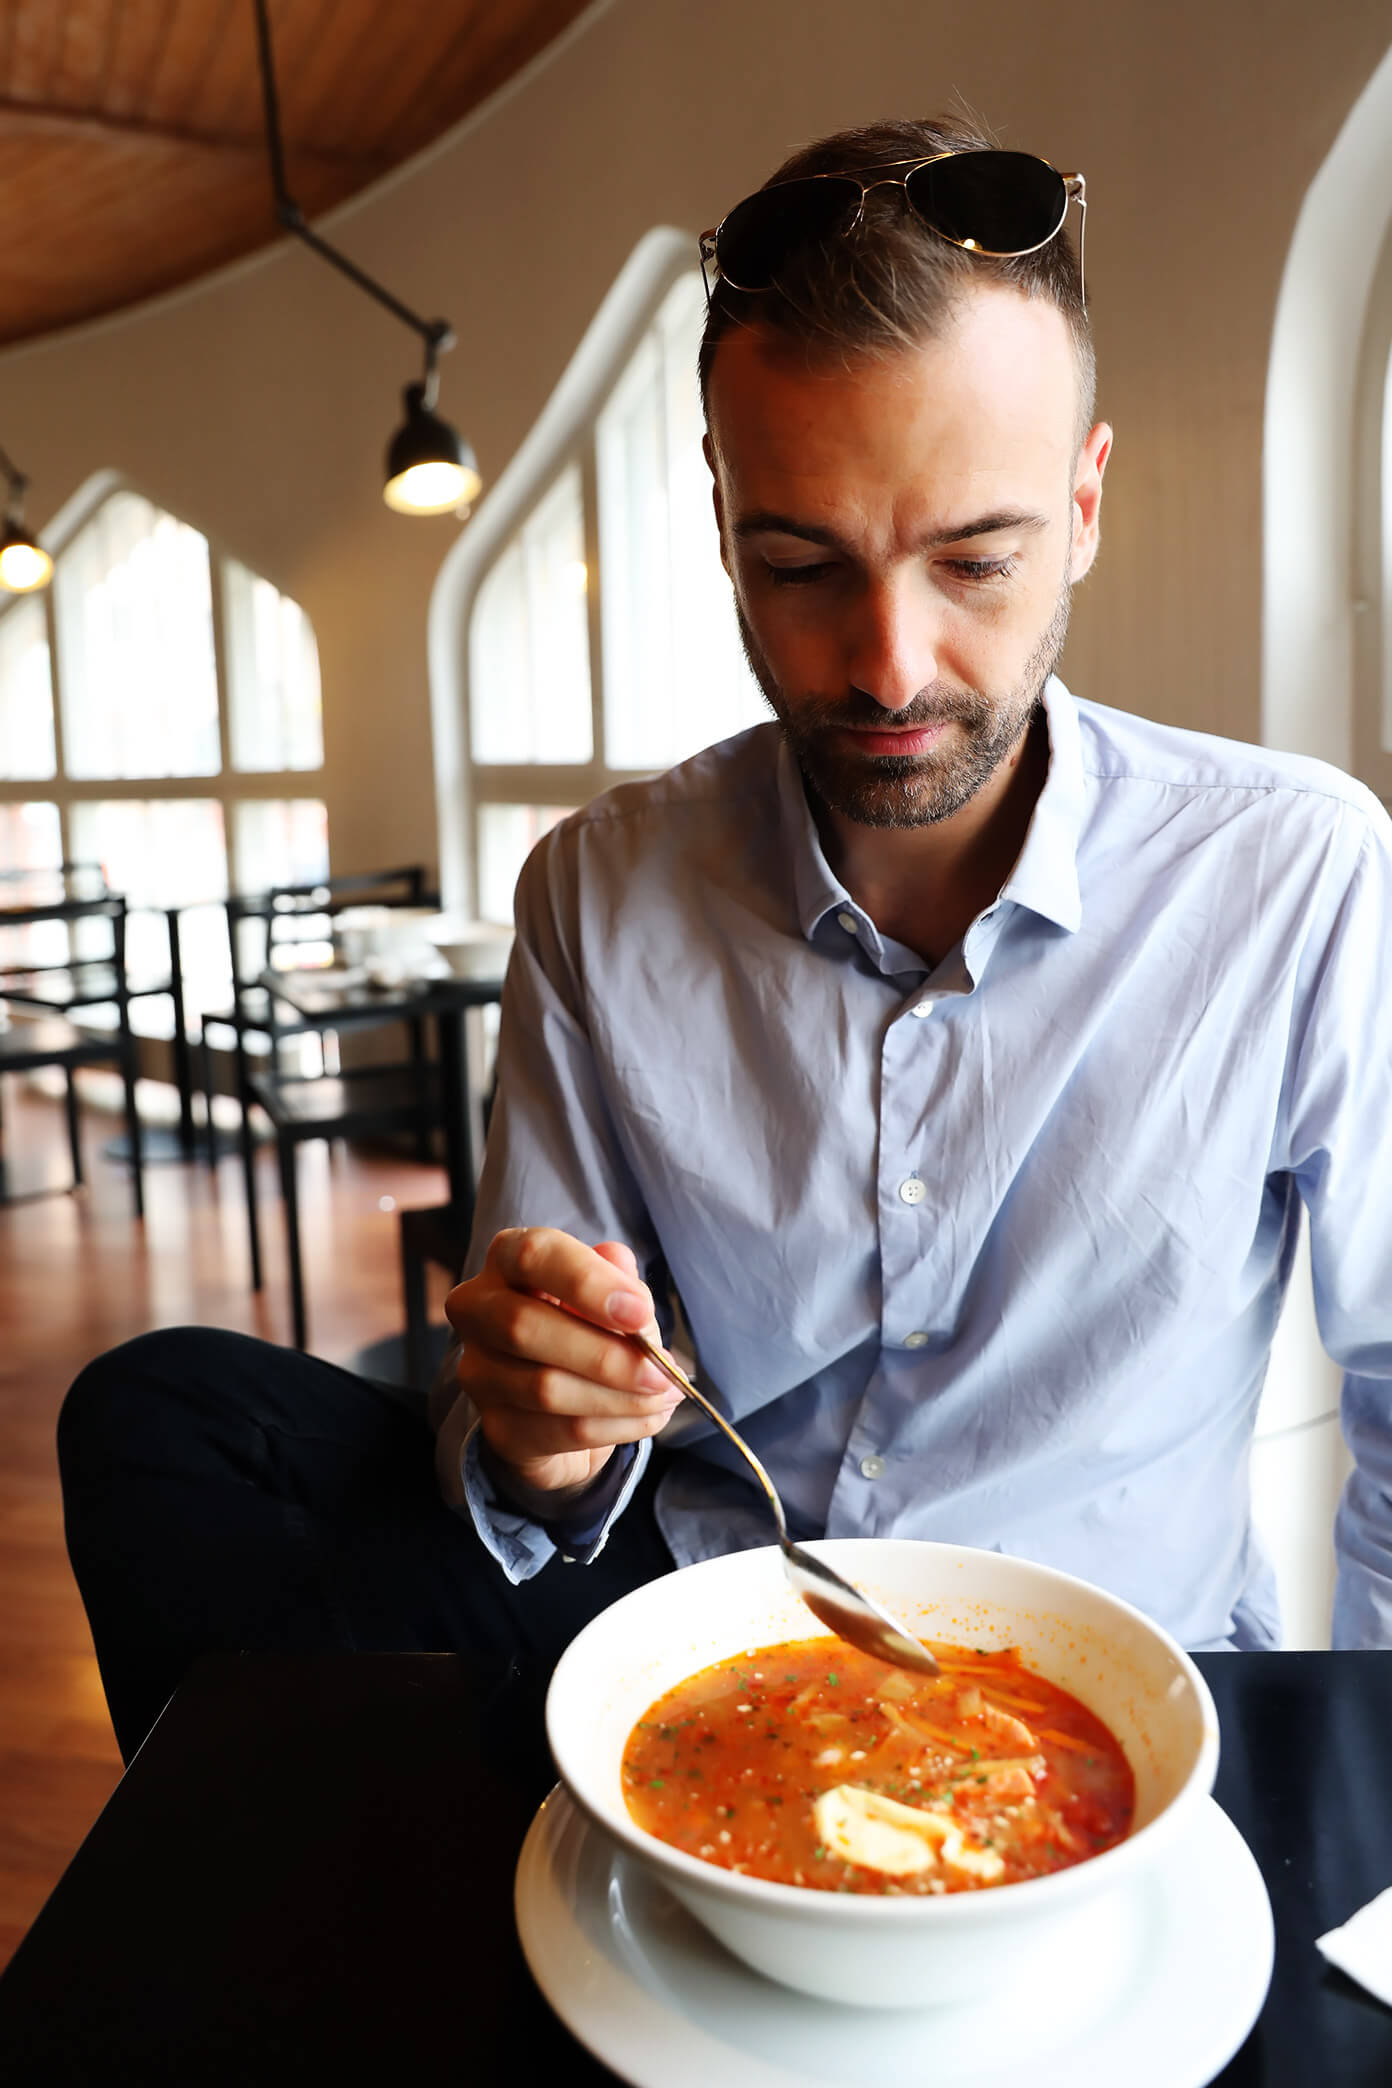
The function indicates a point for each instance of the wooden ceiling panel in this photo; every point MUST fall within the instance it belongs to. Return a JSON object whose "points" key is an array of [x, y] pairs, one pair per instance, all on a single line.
{"points": [[386, 105], [351, 70], [129, 39], [200, 47], [226, 57], [132, 146], [35, 38]]}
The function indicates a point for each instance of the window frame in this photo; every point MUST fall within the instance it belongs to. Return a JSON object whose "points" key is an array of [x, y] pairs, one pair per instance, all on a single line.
{"points": [[562, 436], [229, 787], [1372, 536]]}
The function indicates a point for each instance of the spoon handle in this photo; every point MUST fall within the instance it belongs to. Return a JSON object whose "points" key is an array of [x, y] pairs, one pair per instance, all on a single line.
{"points": [[683, 1383]]}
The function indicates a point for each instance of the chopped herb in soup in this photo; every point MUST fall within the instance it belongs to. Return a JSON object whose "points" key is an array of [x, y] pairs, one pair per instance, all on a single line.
{"points": [[812, 1764]]}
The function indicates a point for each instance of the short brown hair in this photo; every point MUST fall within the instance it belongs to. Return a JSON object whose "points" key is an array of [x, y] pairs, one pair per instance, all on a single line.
{"points": [[892, 284]]}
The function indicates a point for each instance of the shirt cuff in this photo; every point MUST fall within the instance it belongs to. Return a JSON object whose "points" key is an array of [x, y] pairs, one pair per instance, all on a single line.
{"points": [[522, 1546]]}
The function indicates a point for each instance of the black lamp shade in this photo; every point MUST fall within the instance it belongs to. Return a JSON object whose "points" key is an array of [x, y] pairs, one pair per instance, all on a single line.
{"points": [[430, 467]]}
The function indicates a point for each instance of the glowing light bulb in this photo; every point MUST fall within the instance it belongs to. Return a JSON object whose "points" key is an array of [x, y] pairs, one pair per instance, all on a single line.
{"points": [[24, 567], [432, 489]]}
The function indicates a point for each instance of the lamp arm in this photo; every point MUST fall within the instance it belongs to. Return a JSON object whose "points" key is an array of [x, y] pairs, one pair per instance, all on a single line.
{"points": [[437, 334], [18, 480]]}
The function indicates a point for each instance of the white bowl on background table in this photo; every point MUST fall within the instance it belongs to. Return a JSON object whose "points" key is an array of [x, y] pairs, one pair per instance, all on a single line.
{"points": [[900, 1951], [472, 949]]}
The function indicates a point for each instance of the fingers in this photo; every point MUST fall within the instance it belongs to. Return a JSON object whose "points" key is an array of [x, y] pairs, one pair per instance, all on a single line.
{"points": [[545, 1336], [537, 1258], [542, 1358], [542, 1414]]}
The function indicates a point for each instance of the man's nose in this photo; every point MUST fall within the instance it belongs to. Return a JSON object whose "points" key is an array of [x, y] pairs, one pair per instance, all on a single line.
{"points": [[894, 646]]}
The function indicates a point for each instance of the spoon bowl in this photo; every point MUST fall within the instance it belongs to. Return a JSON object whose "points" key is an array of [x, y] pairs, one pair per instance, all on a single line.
{"points": [[844, 1609]]}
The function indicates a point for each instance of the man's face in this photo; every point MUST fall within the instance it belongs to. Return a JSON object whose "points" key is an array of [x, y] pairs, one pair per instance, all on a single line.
{"points": [[902, 535]]}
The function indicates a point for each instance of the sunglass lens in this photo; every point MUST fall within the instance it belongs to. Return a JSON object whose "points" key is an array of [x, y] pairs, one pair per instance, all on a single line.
{"points": [[1002, 202], [762, 231]]}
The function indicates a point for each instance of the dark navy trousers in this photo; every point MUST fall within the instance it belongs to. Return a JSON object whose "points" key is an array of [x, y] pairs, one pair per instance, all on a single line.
{"points": [[221, 1494]]}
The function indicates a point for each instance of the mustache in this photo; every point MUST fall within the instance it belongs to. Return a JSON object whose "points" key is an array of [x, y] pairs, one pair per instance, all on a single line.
{"points": [[858, 711]]}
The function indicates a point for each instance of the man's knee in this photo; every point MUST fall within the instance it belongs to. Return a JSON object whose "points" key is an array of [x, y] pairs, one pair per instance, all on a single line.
{"points": [[119, 1394]]}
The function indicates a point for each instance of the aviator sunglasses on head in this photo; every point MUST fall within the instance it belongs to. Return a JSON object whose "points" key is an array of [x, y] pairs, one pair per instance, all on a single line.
{"points": [[997, 203]]}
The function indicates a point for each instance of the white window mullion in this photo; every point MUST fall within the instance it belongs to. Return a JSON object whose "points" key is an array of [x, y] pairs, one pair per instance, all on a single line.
{"points": [[562, 704]]}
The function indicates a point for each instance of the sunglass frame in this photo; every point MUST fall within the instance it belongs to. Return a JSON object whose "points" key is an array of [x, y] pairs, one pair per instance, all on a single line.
{"points": [[1074, 190]]}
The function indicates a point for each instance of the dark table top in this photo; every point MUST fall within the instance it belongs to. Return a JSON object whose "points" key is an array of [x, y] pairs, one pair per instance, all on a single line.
{"points": [[315, 993], [306, 1877]]}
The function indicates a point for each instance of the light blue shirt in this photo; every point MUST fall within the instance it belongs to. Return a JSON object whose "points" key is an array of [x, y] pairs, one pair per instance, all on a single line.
{"points": [[990, 1252]]}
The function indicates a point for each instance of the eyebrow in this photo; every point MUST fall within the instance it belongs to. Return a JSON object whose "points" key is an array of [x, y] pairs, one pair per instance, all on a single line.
{"points": [[763, 522]]}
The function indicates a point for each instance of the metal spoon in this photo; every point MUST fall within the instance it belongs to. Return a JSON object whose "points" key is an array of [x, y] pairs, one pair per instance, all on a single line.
{"points": [[853, 1616]]}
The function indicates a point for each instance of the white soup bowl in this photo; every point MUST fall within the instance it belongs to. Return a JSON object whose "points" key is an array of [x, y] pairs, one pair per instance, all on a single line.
{"points": [[898, 1951]]}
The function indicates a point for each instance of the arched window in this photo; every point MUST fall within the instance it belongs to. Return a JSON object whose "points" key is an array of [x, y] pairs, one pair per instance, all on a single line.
{"points": [[601, 640], [1372, 536], [159, 715], [1326, 526]]}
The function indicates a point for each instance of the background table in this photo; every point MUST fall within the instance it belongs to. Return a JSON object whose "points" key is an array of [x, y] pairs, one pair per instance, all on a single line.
{"points": [[306, 1876], [447, 999]]}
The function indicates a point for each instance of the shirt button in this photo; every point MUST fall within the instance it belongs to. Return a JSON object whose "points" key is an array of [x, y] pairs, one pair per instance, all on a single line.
{"points": [[872, 1468], [849, 923], [913, 1191], [922, 1008], [915, 1341]]}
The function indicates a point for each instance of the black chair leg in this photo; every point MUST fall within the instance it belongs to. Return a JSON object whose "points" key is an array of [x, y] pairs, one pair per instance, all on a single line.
{"points": [[417, 1324], [248, 1152], [285, 1149], [133, 1135], [421, 1062], [205, 1075], [74, 1138]]}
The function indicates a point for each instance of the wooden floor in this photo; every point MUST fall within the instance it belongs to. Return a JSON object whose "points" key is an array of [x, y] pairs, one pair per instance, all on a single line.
{"points": [[77, 1274]]}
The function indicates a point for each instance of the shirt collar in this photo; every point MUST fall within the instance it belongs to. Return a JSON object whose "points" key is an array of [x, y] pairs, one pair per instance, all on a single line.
{"points": [[1045, 876]]}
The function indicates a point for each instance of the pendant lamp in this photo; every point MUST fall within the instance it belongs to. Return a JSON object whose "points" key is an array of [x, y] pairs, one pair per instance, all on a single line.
{"points": [[24, 563], [430, 468]]}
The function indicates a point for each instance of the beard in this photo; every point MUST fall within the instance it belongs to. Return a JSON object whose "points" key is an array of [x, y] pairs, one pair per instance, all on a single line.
{"points": [[908, 790]]}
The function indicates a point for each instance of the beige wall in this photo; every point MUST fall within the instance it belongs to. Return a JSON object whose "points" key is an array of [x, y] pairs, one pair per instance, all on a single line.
{"points": [[257, 406]]}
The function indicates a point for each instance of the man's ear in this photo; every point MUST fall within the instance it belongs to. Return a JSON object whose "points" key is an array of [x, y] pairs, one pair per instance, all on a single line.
{"points": [[1087, 500], [708, 452]]}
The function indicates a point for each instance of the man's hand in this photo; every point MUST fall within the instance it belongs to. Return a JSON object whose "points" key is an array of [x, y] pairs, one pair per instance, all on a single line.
{"points": [[554, 1386]]}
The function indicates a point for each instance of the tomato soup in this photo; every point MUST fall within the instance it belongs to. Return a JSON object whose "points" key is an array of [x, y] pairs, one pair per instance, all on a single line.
{"points": [[811, 1764]]}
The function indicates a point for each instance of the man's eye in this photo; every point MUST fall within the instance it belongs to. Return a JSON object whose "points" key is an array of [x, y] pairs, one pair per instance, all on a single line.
{"points": [[981, 568], [799, 575]]}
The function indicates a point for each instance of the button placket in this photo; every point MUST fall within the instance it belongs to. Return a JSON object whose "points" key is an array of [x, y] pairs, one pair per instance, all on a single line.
{"points": [[916, 1082]]}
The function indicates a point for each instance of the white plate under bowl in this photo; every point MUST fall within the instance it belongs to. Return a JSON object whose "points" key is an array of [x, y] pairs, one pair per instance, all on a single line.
{"points": [[1180, 1980]]}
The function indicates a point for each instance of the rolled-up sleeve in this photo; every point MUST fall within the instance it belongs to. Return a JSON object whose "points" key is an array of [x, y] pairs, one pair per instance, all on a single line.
{"points": [[554, 1158]]}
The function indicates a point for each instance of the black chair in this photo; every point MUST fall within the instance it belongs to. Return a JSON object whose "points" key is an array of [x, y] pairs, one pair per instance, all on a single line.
{"points": [[363, 1102], [439, 1234], [436, 1234], [79, 983], [367, 1102], [285, 914], [50, 1040]]}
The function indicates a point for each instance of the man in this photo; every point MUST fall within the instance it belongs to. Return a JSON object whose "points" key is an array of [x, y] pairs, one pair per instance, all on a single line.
{"points": [[958, 1055]]}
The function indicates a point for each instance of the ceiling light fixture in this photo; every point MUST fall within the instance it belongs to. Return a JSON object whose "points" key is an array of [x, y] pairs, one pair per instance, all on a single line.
{"points": [[24, 563], [431, 470]]}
